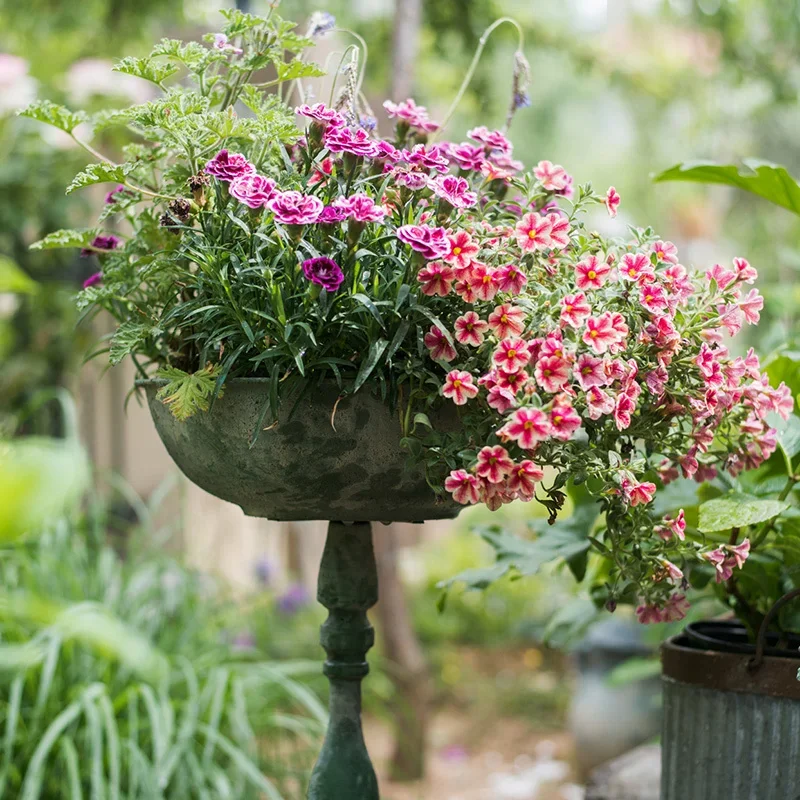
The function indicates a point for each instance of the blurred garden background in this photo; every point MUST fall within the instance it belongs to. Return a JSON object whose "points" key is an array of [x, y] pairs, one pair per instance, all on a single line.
{"points": [[155, 607]]}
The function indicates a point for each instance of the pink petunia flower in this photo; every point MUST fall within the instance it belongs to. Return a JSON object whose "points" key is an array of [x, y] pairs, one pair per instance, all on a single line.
{"points": [[600, 333], [575, 310], [462, 251], [590, 371], [612, 201], [591, 273], [524, 477], [598, 403], [653, 298], [665, 252], [436, 279], [532, 232], [459, 387], [744, 272], [411, 114], [295, 208], [507, 320], [672, 571], [494, 464], [636, 267], [527, 427], [551, 373], [649, 614], [322, 115], [470, 328], [492, 140], [564, 420], [675, 608], [511, 355], [751, 306], [637, 493], [483, 280], [440, 348], [721, 276], [559, 231], [624, 406], [466, 156], [673, 527], [511, 279], [464, 487], [553, 177], [500, 398]]}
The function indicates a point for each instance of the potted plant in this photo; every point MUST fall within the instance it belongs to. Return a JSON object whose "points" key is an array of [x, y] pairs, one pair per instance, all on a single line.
{"points": [[330, 324]]}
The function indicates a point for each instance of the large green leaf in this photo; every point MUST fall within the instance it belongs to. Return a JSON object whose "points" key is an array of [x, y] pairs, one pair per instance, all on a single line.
{"points": [[13, 279], [737, 511], [100, 173], [762, 178], [53, 114], [66, 237]]}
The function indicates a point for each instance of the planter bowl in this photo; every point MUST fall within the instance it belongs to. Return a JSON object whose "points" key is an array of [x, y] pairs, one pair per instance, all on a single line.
{"points": [[303, 468]]}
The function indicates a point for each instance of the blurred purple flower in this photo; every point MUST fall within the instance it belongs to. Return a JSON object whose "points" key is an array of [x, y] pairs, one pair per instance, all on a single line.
{"points": [[92, 280], [264, 571], [293, 599], [101, 242]]}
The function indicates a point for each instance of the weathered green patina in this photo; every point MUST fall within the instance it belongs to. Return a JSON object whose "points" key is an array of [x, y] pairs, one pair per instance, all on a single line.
{"points": [[348, 588], [331, 459]]}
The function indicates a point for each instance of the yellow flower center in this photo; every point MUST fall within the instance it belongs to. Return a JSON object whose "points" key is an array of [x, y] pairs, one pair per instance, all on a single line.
{"points": [[568, 308], [648, 298], [593, 334], [528, 425], [591, 274], [531, 234], [456, 251], [487, 278], [504, 318], [632, 272], [660, 254], [547, 372], [492, 460], [586, 370], [512, 354], [457, 384], [557, 419]]}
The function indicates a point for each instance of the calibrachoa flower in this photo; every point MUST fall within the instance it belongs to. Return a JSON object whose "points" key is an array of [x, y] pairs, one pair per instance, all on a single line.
{"points": [[527, 427], [507, 320], [511, 355], [553, 177], [591, 273], [323, 271], [612, 201], [533, 232], [227, 166], [459, 387], [253, 190], [470, 329], [295, 208], [440, 348], [436, 279], [462, 250], [464, 487], [494, 464], [430, 242]]}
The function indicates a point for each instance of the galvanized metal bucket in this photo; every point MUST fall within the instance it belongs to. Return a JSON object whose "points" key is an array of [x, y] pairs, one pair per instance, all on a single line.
{"points": [[332, 459], [731, 728]]}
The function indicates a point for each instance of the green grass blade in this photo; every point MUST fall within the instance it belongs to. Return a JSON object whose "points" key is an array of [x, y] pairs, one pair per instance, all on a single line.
{"points": [[69, 753], [219, 681], [113, 759], [12, 719]]}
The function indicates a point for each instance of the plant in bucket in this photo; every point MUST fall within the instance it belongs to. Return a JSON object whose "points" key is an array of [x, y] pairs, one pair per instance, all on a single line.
{"points": [[333, 325]]}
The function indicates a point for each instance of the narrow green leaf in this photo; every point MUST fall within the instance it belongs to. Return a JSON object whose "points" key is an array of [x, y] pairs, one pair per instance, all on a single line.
{"points": [[371, 307], [370, 362]]}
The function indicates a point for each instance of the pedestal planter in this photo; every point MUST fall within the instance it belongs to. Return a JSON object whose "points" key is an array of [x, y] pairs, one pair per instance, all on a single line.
{"points": [[731, 726], [346, 467]]}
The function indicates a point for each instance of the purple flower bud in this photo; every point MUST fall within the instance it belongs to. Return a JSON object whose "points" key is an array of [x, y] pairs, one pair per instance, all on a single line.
{"points": [[92, 280], [101, 242], [111, 197], [263, 571]]}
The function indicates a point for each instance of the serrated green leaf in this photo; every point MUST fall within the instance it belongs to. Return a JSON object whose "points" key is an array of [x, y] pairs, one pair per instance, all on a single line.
{"points": [[762, 178], [145, 68], [100, 173], [54, 114], [186, 393], [292, 70], [128, 339], [66, 237], [737, 511]]}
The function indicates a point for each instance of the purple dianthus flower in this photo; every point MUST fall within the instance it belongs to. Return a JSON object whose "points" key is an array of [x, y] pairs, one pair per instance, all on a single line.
{"points": [[227, 166], [253, 190], [430, 242], [295, 208], [324, 272], [101, 242]]}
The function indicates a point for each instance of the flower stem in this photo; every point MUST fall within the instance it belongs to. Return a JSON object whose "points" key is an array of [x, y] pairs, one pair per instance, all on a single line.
{"points": [[474, 65]]}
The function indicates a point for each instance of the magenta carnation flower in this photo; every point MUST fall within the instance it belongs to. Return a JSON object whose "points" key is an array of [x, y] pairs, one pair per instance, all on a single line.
{"points": [[295, 208], [387, 152], [361, 208], [321, 114], [92, 280], [466, 156], [347, 140], [101, 242], [413, 115], [411, 180], [227, 166], [493, 140], [324, 272], [253, 190], [332, 214], [453, 190], [421, 157], [430, 242]]}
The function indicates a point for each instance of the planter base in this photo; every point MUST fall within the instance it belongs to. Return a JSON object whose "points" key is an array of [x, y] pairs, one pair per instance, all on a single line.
{"points": [[348, 588]]}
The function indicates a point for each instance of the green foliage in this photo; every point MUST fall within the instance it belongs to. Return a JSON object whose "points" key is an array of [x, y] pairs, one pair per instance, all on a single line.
{"points": [[737, 511], [761, 178], [118, 680], [13, 279], [146, 69], [66, 238], [54, 114], [100, 173], [185, 394]]}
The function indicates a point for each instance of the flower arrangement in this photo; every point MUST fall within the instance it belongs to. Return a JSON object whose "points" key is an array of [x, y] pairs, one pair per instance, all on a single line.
{"points": [[432, 272]]}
